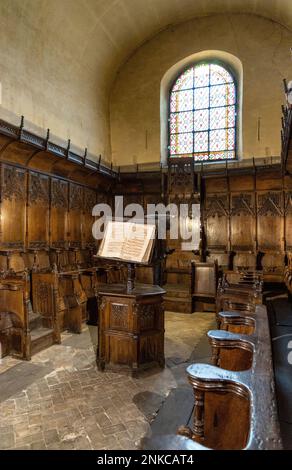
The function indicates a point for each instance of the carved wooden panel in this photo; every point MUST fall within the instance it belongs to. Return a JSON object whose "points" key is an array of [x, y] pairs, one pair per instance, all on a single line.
{"points": [[38, 211], [43, 300], [246, 261], [75, 215], [13, 207], [242, 220], [59, 212], [270, 220], [181, 178], [216, 217], [119, 316], [88, 219], [147, 316], [288, 216]]}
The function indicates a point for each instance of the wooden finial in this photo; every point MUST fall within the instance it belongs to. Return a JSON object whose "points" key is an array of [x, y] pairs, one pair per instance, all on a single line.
{"points": [[21, 126], [47, 138]]}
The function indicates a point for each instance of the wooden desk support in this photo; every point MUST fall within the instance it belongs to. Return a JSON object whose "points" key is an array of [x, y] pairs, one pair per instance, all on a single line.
{"points": [[131, 328]]}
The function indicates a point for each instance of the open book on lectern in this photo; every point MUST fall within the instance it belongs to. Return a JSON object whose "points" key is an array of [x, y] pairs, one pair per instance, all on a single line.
{"points": [[128, 241]]}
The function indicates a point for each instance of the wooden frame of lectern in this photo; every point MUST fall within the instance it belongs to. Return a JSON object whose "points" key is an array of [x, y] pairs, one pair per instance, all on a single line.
{"points": [[131, 317]]}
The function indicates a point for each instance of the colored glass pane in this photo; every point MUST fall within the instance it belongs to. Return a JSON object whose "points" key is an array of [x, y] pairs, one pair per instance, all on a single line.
{"points": [[202, 121]]}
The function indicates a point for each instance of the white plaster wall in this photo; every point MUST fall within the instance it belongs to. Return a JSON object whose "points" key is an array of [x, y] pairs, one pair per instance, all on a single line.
{"points": [[262, 46]]}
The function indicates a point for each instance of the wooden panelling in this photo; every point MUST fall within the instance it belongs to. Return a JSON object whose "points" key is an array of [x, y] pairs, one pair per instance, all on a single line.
{"points": [[38, 211], [216, 185], [288, 220], [242, 221], [241, 183], [75, 215], [88, 219], [59, 213], [270, 220], [216, 217], [13, 207]]}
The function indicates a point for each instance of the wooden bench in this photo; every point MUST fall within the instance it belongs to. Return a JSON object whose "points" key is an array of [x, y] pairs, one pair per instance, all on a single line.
{"points": [[234, 399]]}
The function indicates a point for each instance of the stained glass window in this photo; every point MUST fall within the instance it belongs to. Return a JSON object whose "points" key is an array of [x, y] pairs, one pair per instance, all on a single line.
{"points": [[202, 120]]}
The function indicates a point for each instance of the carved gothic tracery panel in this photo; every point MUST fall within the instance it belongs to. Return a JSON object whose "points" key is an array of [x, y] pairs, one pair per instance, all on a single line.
{"points": [[119, 316], [76, 197], [38, 189], [216, 206], [270, 204], [89, 200], [59, 197], [242, 204], [13, 183]]}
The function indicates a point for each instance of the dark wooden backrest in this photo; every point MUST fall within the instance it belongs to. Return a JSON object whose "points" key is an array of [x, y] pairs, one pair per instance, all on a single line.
{"points": [[244, 261], [205, 278]]}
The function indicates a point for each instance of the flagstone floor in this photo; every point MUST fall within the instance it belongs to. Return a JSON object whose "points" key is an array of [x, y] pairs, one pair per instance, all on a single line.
{"points": [[59, 400]]}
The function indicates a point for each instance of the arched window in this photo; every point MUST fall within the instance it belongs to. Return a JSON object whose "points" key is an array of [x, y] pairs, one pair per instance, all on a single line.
{"points": [[202, 113]]}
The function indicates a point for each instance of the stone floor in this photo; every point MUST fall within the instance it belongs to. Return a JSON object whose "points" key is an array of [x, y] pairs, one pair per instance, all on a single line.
{"points": [[59, 400]]}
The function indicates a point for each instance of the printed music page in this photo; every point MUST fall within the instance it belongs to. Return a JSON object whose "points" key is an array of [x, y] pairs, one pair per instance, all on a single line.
{"points": [[128, 241], [111, 245]]}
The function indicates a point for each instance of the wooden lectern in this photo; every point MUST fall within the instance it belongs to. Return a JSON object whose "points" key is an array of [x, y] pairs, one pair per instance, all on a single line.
{"points": [[131, 328], [131, 317]]}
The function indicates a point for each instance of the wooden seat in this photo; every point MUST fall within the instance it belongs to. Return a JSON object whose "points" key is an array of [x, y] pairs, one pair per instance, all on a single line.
{"points": [[22, 332]]}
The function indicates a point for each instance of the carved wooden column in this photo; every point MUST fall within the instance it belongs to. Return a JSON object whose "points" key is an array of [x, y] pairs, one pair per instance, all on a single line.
{"points": [[198, 423]]}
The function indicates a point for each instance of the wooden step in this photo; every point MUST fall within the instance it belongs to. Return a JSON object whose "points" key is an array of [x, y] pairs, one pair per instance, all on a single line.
{"points": [[177, 291], [34, 321], [41, 338], [177, 304]]}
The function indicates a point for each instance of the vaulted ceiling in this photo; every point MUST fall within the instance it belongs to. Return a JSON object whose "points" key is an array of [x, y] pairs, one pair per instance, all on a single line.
{"points": [[122, 25], [73, 49]]}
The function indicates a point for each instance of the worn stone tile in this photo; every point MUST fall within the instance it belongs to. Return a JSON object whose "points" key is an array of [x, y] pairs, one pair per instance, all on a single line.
{"points": [[28, 439], [39, 445], [35, 419], [114, 429], [102, 420], [6, 430], [51, 436], [127, 443], [7, 441], [24, 447]]}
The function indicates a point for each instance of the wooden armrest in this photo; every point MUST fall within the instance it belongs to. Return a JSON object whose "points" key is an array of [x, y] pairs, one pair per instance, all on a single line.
{"points": [[223, 337]]}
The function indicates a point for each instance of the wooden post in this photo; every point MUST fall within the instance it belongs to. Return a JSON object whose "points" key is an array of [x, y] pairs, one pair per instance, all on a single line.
{"points": [[198, 423]]}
